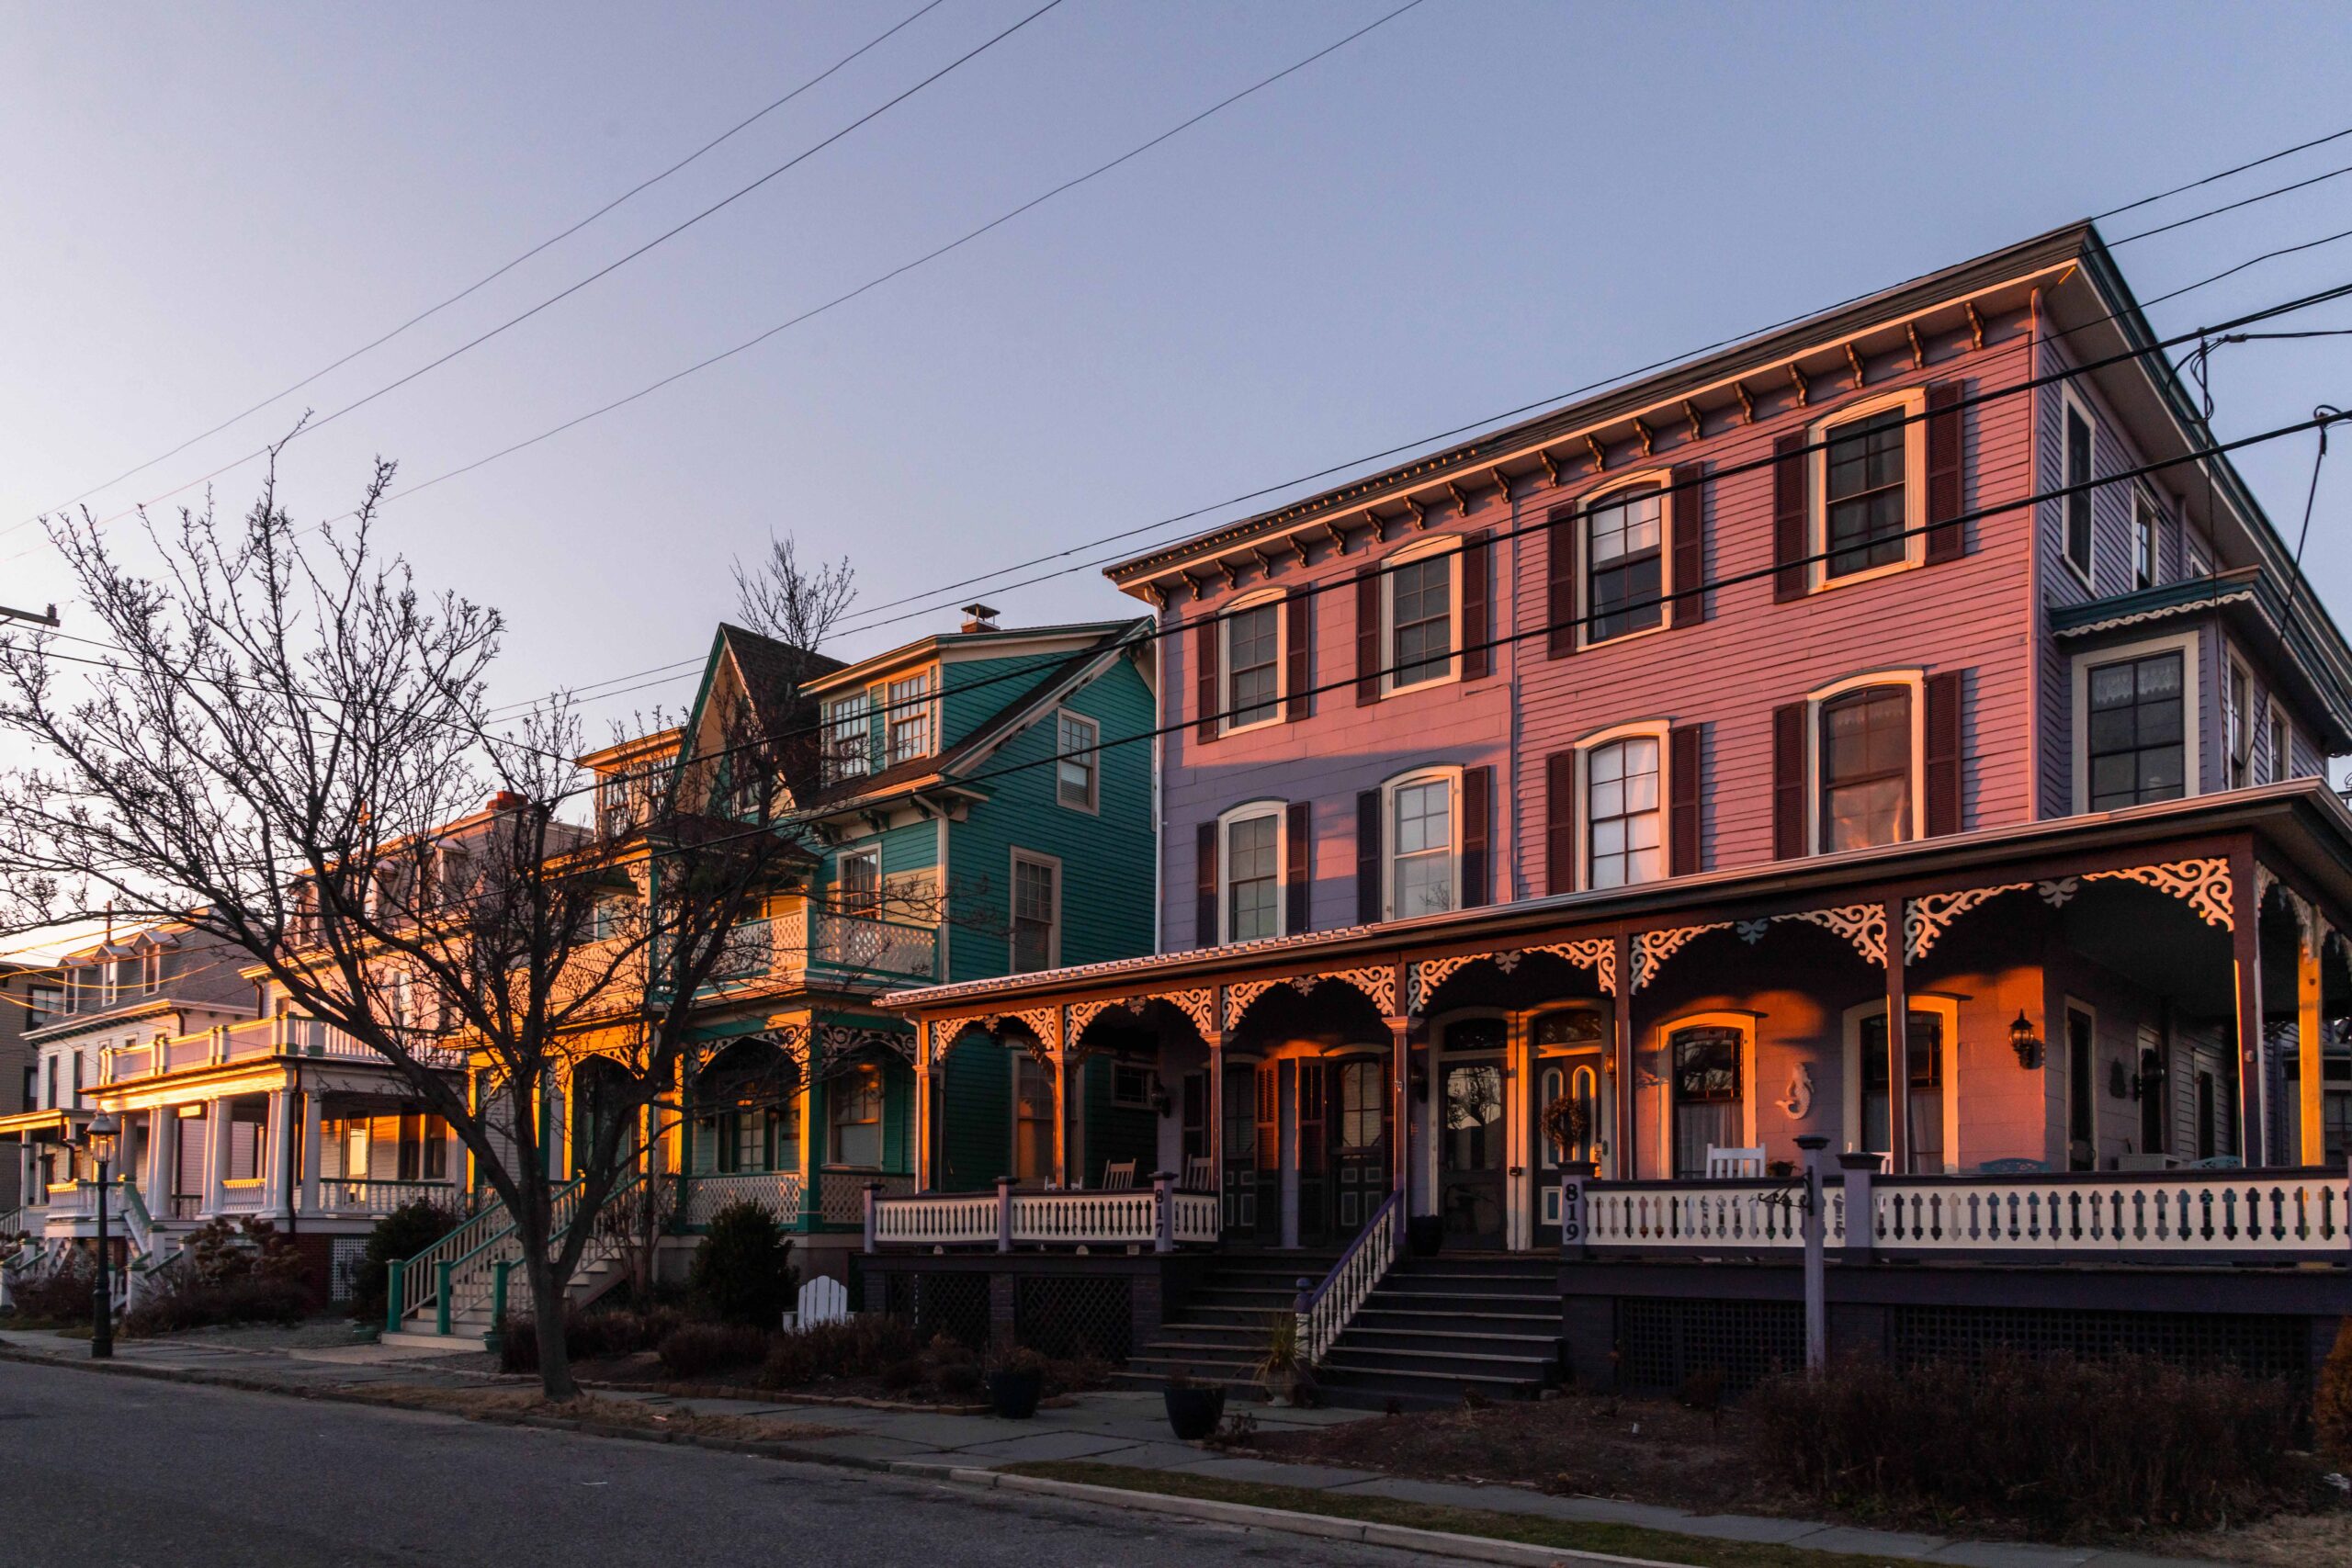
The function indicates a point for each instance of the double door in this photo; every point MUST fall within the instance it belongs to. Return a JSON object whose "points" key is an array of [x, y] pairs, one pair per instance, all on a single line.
{"points": [[1321, 1121]]}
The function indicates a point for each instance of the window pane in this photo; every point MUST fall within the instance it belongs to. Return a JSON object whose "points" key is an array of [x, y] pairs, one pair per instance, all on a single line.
{"points": [[1624, 577], [1074, 766], [1623, 807], [2135, 738], [1866, 768], [1252, 648], [1864, 510], [1252, 879], [1421, 618]]}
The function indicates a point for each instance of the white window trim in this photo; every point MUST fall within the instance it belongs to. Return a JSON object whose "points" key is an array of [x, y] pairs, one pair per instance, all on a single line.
{"points": [[1249, 810], [1743, 1022], [1668, 605], [2086, 571], [1421, 549], [1093, 805], [1388, 792], [2281, 731], [1946, 1011], [840, 877], [2192, 719], [864, 764], [2150, 547], [1225, 670], [1915, 681], [1913, 401], [2234, 677], [891, 715], [1656, 728], [1012, 904]]}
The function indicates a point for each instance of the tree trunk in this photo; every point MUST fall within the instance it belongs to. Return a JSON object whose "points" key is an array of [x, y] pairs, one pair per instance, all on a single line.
{"points": [[548, 1315]]}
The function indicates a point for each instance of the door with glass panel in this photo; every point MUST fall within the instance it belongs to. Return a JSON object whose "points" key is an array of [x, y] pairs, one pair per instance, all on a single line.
{"points": [[1922, 1102], [1358, 1128], [1239, 1150], [1312, 1098], [1571, 1118], [1710, 1095], [1472, 1134]]}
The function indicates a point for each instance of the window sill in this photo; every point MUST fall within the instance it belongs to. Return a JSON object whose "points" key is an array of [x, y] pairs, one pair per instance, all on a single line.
{"points": [[1592, 645], [1823, 582], [1389, 688], [1226, 728]]}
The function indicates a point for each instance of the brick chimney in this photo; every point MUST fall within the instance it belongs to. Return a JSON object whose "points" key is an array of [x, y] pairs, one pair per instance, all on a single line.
{"points": [[504, 800], [979, 617]]}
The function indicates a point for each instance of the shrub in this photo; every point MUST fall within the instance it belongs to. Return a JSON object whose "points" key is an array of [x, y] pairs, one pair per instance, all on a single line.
{"points": [[185, 1300], [226, 1252], [397, 1236], [742, 1270], [2060, 1444], [862, 1347], [699, 1350], [588, 1335], [64, 1294], [2331, 1403]]}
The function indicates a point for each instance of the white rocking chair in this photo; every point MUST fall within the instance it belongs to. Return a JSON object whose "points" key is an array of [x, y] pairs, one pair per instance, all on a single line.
{"points": [[1199, 1174], [1118, 1176], [1733, 1164]]}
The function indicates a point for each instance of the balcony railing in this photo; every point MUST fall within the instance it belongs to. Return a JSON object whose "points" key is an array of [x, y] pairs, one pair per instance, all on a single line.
{"points": [[2154, 1217], [1009, 1218], [339, 1195], [780, 1193], [260, 1037], [842, 949]]}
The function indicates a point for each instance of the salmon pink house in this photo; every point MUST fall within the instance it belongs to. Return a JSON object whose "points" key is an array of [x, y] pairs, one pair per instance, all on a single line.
{"points": [[1899, 741]]}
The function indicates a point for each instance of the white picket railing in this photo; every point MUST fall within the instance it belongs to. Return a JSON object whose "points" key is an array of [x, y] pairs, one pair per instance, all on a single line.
{"points": [[1105, 1219], [1704, 1217], [1327, 1311], [2181, 1213], [1196, 1216], [780, 1193], [275, 1036], [936, 1219], [420, 1274], [343, 1195]]}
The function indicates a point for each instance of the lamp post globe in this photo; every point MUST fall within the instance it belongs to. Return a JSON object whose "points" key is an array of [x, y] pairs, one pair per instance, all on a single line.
{"points": [[100, 1137]]}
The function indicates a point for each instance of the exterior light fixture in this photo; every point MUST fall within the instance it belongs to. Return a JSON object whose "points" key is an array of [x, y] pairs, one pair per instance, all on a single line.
{"points": [[2025, 1043], [100, 1137]]}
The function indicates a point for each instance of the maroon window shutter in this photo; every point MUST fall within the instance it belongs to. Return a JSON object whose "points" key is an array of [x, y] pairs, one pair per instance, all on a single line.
{"points": [[1942, 754], [1788, 460], [1560, 822], [1298, 866], [1298, 631], [1478, 837], [1682, 800], [1368, 900], [1947, 539], [1204, 914], [1477, 619], [1788, 781], [1690, 513], [1560, 582], [1367, 635], [1204, 637]]}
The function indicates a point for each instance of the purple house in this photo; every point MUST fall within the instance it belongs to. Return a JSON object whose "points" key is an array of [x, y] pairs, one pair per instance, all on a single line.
{"points": [[1895, 742]]}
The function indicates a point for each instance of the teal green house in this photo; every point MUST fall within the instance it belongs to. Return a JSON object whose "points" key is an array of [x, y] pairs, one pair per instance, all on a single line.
{"points": [[975, 806]]}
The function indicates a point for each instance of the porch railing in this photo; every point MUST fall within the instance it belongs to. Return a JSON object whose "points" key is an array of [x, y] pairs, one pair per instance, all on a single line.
{"points": [[2178, 1216], [1325, 1312], [415, 1281], [936, 1219], [1085, 1218], [790, 947], [350, 1195], [1156, 1216], [276, 1036], [781, 1193]]}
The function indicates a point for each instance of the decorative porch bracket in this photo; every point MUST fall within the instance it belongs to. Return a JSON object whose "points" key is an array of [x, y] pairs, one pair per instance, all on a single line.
{"points": [[1377, 982], [2204, 885], [1423, 977]]}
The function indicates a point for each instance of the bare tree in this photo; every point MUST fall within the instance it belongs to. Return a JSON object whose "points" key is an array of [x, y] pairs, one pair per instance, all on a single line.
{"points": [[291, 751], [796, 604]]}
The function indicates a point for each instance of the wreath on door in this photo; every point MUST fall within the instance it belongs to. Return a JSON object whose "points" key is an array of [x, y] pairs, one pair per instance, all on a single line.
{"points": [[1567, 1121]]}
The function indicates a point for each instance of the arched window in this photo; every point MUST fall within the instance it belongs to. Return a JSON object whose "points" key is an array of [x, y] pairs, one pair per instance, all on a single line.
{"points": [[1710, 1086]]}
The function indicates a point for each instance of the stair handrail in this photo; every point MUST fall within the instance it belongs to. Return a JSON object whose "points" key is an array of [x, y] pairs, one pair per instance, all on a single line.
{"points": [[473, 1276], [136, 1219], [1325, 1312], [415, 1280]]}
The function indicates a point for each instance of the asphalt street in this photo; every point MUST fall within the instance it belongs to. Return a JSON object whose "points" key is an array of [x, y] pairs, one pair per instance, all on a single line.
{"points": [[108, 1472]]}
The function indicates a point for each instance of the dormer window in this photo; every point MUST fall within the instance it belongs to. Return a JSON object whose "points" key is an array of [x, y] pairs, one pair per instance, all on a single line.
{"points": [[910, 718], [849, 745]]}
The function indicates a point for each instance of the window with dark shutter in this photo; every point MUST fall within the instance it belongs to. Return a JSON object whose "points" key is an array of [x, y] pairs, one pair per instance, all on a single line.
{"points": [[1367, 635], [1368, 857], [1478, 837], [1560, 822], [1478, 618], [1560, 582], [1204, 881], [1297, 666], [1789, 459], [1690, 521], [1947, 540], [1788, 781], [1205, 684], [1941, 758], [1298, 863], [1682, 857]]}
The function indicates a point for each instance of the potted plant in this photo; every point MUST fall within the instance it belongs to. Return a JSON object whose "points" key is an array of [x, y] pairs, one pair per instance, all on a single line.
{"points": [[1193, 1408], [1016, 1379], [1282, 1370]]}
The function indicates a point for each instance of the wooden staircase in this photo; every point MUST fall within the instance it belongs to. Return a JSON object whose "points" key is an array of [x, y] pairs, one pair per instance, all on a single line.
{"points": [[1219, 1334], [1437, 1328]]}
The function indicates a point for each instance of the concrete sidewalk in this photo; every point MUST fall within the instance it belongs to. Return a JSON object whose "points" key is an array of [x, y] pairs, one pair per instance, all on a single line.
{"points": [[1116, 1428]]}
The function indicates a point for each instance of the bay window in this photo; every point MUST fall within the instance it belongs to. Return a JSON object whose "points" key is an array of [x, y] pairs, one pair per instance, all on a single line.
{"points": [[2137, 746]]}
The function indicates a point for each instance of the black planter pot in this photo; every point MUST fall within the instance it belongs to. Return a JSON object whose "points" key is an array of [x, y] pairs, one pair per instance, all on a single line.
{"points": [[1015, 1394], [1425, 1235], [1193, 1413]]}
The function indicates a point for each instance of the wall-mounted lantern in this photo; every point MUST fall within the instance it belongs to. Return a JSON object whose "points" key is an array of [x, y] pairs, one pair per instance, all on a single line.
{"points": [[2025, 1043]]}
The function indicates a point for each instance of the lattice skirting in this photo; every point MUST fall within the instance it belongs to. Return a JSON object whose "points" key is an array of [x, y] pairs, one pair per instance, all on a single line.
{"points": [[344, 1257], [1664, 1343], [1066, 1317], [2259, 1346], [953, 1304]]}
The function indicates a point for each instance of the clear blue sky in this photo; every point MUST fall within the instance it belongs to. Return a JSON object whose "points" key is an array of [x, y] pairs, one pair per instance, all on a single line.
{"points": [[1476, 206]]}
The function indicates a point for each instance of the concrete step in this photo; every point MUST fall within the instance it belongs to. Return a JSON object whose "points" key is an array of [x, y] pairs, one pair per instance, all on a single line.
{"points": [[416, 1340], [1462, 1365]]}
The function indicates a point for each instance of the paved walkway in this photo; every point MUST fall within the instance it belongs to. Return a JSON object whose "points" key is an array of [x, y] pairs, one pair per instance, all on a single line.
{"points": [[1120, 1428]]}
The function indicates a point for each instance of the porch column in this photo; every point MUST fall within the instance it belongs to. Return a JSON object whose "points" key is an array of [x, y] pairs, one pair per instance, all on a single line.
{"points": [[922, 1086], [2245, 952], [1058, 1071], [2310, 1039], [277, 1178], [1216, 1111], [1625, 1159], [313, 1152], [163, 1159], [1400, 1096], [216, 1156], [1898, 1042]]}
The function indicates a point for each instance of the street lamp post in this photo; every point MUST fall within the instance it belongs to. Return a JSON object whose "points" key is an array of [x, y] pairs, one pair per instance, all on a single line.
{"points": [[101, 1135]]}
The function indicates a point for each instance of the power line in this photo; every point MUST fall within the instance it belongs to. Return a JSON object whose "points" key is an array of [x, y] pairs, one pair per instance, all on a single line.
{"points": [[603, 271], [494, 276]]}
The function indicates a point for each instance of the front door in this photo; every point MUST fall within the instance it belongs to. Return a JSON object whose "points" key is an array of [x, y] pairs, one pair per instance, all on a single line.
{"points": [[1314, 1153], [1570, 1122], [1470, 1154], [1269, 1138], [1359, 1130], [1240, 1177]]}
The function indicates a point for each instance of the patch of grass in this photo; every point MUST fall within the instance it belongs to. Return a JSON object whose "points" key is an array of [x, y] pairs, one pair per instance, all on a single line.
{"points": [[476, 1403], [1571, 1535]]}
